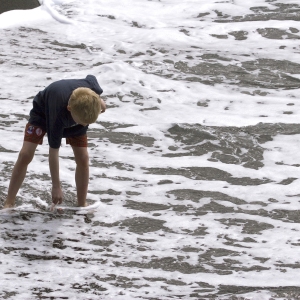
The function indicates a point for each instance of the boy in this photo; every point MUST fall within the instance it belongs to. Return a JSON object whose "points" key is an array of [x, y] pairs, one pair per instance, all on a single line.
{"points": [[63, 109]]}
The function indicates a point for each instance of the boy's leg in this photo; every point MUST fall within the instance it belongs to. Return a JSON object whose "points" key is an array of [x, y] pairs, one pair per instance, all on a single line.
{"points": [[82, 173], [79, 145], [19, 171], [33, 135]]}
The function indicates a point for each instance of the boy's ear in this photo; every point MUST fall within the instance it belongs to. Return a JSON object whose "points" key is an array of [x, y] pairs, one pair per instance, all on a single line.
{"points": [[69, 108]]}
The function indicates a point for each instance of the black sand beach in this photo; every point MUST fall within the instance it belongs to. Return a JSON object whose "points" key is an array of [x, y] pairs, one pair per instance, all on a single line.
{"points": [[161, 230]]}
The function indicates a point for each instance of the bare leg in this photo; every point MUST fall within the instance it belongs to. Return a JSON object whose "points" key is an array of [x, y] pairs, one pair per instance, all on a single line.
{"points": [[81, 174], [19, 171]]}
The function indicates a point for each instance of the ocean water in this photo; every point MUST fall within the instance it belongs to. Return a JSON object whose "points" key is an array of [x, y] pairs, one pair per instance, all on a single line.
{"points": [[194, 178]]}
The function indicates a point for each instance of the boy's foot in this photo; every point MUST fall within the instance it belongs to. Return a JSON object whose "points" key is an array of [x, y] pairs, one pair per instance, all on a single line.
{"points": [[8, 204]]}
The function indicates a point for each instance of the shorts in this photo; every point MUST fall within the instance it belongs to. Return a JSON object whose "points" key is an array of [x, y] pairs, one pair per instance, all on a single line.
{"points": [[35, 134]]}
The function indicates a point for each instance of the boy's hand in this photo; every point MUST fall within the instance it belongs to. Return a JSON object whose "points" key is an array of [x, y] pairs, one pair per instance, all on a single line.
{"points": [[57, 195], [103, 106]]}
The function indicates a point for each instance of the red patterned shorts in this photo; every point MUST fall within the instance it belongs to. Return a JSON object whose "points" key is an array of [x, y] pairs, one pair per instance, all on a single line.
{"points": [[35, 134]]}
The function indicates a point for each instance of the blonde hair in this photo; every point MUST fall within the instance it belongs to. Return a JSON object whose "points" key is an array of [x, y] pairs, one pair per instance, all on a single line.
{"points": [[85, 104]]}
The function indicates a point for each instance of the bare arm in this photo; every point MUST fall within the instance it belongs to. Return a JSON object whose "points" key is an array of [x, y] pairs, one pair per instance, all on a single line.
{"points": [[103, 105], [57, 194], [81, 174]]}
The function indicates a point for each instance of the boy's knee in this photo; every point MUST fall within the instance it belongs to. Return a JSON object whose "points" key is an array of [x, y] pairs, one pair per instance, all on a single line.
{"points": [[25, 157], [82, 159]]}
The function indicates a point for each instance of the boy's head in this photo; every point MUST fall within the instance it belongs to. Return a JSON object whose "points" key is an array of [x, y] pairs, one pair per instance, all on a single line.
{"points": [[84, 105]]}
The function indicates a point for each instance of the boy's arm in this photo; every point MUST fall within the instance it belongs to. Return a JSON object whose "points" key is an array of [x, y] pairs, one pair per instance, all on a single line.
{"points": [[81, 174], [103, 105], [57, 194]]}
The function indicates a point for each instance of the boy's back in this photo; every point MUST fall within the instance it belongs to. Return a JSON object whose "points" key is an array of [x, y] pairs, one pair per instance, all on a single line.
{"points": [[50, 109]]}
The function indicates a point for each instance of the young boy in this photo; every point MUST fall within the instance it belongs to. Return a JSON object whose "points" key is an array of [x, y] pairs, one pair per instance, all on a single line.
{"points": [[63, 109]]}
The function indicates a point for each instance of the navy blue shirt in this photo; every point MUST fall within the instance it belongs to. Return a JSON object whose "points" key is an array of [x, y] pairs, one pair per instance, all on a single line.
{"points": [[50, 109]]}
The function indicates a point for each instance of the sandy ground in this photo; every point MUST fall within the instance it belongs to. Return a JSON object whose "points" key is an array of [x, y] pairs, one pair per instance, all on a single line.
{"points": [[161, 229], [7, 5]]}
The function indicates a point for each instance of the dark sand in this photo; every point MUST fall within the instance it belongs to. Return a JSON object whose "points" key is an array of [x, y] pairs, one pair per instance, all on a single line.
{"points": [[7, 5]]}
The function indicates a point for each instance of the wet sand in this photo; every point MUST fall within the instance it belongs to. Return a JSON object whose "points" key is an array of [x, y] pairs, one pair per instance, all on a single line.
{"points": [[220, 235], [7, 5]]}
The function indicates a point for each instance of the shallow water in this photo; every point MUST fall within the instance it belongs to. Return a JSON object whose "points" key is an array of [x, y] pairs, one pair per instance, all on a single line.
{"points": [[194, 165]]}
